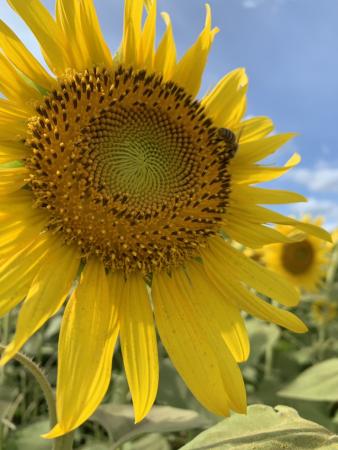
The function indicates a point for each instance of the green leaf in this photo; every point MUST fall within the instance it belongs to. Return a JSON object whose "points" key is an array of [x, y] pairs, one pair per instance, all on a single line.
{"points": [[152, 441], [319, 383], [28, 438], [118, 420], [265, 428]]}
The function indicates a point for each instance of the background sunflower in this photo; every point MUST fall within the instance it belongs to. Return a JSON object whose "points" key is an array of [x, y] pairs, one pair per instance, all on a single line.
{"points": [[303, 263]]}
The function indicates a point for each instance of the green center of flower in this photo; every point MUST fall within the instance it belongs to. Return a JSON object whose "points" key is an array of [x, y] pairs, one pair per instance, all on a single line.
{"points": [[138, 152], [129, 168], [297, 257]]}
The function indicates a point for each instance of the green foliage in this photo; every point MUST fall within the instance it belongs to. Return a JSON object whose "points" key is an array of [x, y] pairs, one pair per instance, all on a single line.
{"points": [[118, 420], [319, 382], [28, 437], [265, 428]]}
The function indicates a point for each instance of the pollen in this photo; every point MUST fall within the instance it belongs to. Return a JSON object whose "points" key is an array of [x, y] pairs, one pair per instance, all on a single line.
{"points": [[129, 168]]}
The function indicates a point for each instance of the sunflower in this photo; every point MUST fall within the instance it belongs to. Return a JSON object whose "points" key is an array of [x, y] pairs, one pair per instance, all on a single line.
{"points": [[323, 311], [302, 262], [125, 183]]}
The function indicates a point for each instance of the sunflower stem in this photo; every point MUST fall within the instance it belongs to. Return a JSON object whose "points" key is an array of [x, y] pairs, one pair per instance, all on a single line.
{"points": [[41, 378], [64, 442]]}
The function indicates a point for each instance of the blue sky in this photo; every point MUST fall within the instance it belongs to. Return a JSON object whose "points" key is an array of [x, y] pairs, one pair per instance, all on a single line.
{"points": [[290, 51]]}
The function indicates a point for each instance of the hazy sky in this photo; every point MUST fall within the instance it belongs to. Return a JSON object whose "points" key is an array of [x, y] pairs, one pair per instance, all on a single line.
{"points": [[290, 51]]}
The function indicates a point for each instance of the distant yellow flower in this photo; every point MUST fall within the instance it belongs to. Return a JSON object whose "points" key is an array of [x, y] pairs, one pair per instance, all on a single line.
{"points": [[335, 236], [323, 311], [302, 262], [125, 176]]}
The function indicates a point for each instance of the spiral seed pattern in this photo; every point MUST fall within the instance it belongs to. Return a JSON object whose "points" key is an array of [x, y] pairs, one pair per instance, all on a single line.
{"points": [[129, 168]]}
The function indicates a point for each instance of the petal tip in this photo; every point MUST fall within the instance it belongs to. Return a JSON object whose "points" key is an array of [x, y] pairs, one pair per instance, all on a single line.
{"points": [[55, 432]]}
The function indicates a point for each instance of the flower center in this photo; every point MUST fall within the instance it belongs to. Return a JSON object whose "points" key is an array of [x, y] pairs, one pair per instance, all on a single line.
{"points": [[297, 257], [129, 168]]}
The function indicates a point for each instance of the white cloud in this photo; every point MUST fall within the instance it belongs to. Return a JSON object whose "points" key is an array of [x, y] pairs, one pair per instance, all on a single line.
{"points": [[319, 179], [251, 4], [328, 209]]}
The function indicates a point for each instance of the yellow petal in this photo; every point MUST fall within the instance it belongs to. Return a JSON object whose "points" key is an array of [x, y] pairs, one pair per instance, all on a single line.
{"points": [[14, 132], [253, 129], [79, 23], [149, 4], [12, 179], [12, 151], [253, 174], [267, 215], [227, 318], [189, 70], [53, 45], [196, 349], [23, 59], [46, 295], [256, 235], [249, 195], [11, 127], [132, 32], [220, 256], [17, 205], [226, 103], [69, 21], [256, 150], [14, 86], [148, 39], [93, 39], [244, 223], [165, 58], [87, 339], [139, 345], [17, 234], [254, 305], [18, 272], [130, 51], [10, 111]]}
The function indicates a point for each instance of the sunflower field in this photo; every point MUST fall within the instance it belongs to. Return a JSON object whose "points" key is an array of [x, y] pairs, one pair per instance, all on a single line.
{"points": [[160, 287]]}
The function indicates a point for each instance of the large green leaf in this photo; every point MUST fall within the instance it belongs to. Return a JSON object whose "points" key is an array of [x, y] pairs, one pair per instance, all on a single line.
{"points": [[319, 382], [265, 428], [153, 441], [118, 420]]}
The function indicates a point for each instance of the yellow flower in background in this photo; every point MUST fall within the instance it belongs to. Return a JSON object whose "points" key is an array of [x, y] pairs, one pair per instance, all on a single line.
{"points": [[335, 237], [302, 262], [323, 311], [123, 173]]}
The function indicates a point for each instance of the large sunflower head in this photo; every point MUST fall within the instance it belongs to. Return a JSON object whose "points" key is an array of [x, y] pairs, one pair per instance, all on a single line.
{"points": [[123, 176], [303, 262]]}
